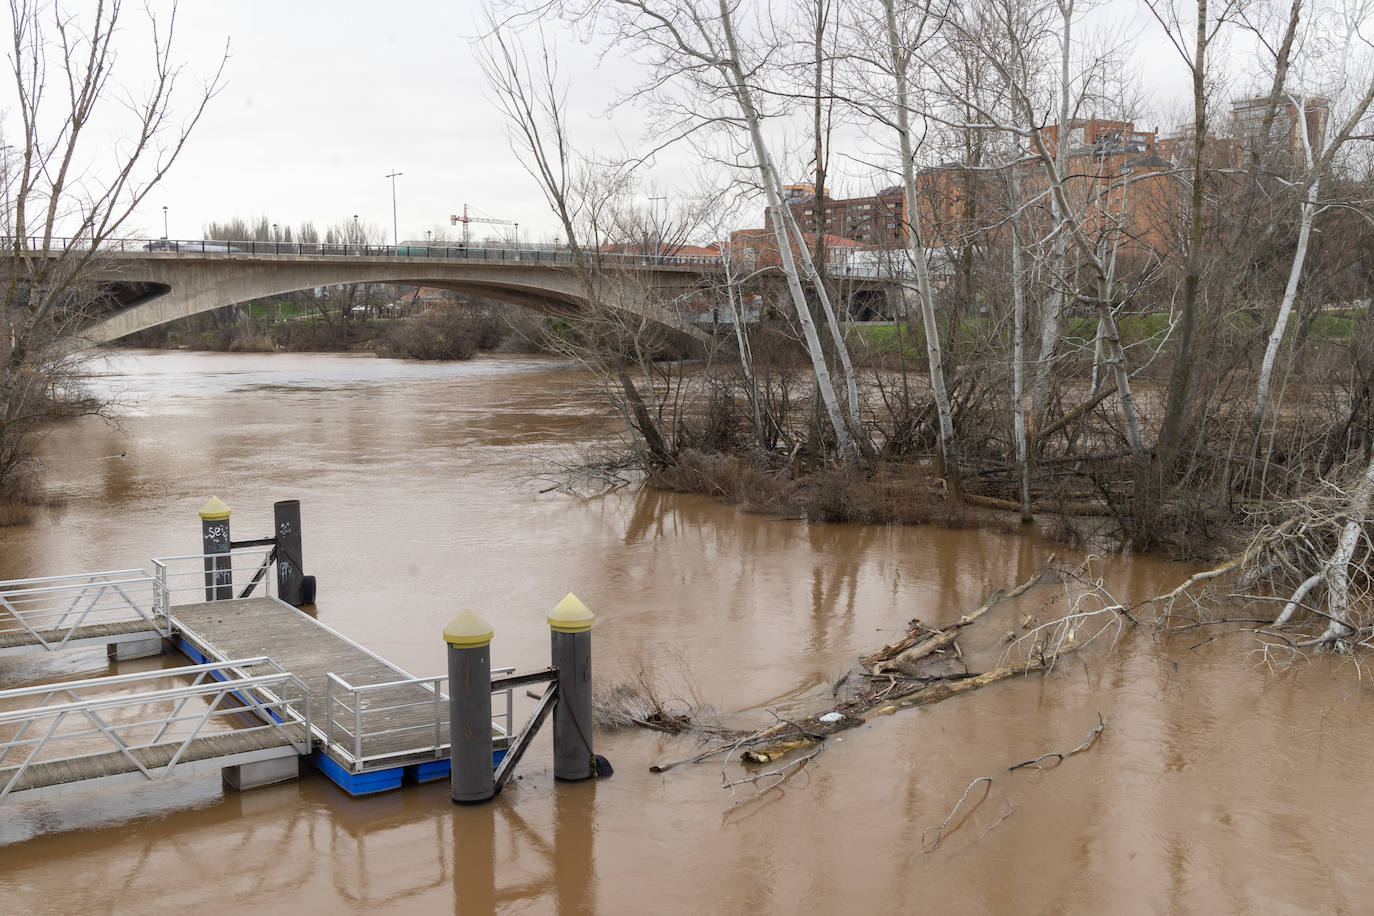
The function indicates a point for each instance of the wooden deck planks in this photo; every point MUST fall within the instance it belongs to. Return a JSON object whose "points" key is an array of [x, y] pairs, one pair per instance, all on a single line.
{"points": [[13, 638], [299, 644], [113, 763]]}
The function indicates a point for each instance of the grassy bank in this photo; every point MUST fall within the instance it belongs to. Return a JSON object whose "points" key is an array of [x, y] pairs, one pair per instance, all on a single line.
{"points": [[1326, 326]]}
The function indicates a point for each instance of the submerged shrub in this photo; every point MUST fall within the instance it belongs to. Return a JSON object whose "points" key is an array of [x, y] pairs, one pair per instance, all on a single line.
{"points": [[441, 334]]}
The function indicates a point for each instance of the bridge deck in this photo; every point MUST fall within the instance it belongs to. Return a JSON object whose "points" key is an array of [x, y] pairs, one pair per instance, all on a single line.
{"points": [[221, 630], [220, 750]]}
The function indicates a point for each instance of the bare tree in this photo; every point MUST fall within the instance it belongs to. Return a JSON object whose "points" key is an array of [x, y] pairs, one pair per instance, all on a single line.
{"points": [[590, 201], [1208, 21], [697, 48], [901, 46], [1343, 86], [1008, 34], [70, 193]]}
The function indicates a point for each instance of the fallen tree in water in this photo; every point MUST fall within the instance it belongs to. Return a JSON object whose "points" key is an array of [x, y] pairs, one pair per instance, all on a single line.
{"points": [[927, 666], [1304, 579]]}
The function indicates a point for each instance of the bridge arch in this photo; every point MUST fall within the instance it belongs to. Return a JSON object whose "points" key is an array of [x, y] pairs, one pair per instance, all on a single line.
{"points": [[164, 286]]}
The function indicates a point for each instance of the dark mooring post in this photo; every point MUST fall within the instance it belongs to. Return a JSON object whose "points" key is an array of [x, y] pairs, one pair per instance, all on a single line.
{"points": [[214, 533], [570, 625], [290, 569], [471, 772]]}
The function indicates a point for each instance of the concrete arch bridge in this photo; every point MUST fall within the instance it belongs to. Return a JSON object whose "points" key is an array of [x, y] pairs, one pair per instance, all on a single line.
{"points": [[160, 281]]}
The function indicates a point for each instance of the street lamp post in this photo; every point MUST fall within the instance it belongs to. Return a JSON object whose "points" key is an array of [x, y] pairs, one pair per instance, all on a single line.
{"points": [[395, 235], [653, 214], [5, 165], [276, 239], [165, 234]]}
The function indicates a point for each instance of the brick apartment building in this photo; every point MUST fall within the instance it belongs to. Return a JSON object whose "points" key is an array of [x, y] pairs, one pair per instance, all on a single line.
{"points": [[1114, 176], [1286, 131], [1230, 147], [1120, 180]]}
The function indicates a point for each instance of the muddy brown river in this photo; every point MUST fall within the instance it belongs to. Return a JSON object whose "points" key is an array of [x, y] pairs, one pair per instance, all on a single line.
{"points": [[1218, 786]]}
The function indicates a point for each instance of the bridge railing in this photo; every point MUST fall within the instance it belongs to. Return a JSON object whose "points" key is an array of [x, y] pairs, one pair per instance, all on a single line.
{"points": [[197, 577], [129, 723], [360, 721], [408, 250], [897, 269], [54, 609]]}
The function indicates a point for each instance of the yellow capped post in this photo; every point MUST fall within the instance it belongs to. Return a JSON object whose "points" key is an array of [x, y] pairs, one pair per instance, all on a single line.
{"points": [[215, 544], [472, 776], [570, 649], [571, 616], [214, 510], [468, 631]]}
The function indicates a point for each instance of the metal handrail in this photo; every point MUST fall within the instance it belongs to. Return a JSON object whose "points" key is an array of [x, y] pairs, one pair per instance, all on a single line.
{"points": [[52, 609], [119, 680], [278, 699], [182, 579], [349, 699]]}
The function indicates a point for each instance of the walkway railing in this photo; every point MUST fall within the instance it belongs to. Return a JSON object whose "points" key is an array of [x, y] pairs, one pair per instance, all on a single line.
{"points": [[54, 609], [92, 733], [194, 578], [369, 724]]}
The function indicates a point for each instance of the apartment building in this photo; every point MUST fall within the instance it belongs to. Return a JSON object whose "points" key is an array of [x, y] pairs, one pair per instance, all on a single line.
{"points": [[875, 221], [1291, 122]]}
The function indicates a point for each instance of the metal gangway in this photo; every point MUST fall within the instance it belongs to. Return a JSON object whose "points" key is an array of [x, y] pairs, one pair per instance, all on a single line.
{"points": [[60, 612], [119, 606], [137, 728]]}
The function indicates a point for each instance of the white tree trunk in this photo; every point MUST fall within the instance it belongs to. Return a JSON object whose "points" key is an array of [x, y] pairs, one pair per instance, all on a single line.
{"points": [[1018, 369], [1338, 566], [1115, 357], [1290, 293], [772, 188], [831, 319], [1295, 599], [1053, 312], [916, 249]]}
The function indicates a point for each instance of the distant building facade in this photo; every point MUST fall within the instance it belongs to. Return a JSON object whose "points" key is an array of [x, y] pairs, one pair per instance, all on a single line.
{"points": [[1290, 129]]}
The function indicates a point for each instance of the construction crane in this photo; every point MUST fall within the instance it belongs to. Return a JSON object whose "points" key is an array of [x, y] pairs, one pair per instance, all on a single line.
{"points": [[455, 219]]}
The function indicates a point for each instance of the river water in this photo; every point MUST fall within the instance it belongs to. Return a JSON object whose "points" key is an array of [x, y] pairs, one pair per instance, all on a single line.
{"points": [[1218, 785]]}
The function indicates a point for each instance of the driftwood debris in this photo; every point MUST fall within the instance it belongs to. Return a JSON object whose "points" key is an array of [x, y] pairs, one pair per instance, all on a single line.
{"points": [[910, 672], [927, 666], [900, 657], [903, 693], [949, 825]]}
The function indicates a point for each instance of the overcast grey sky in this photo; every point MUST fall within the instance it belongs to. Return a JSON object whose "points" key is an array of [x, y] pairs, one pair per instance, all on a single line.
{"points": [[322, 100]]}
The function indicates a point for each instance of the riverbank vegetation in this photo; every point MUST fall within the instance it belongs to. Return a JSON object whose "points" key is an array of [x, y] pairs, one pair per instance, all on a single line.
{"points": [[445, 326], [1154, 343]]}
